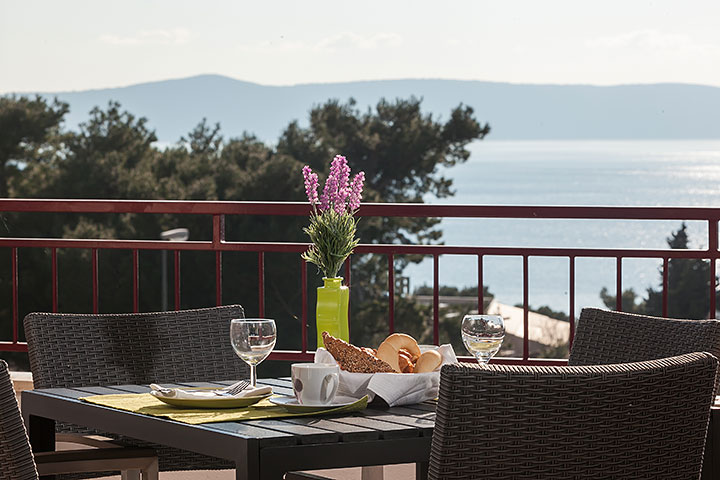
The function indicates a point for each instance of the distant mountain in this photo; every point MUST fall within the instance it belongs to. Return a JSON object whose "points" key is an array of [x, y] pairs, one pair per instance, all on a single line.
{"points": [[514, 111]]}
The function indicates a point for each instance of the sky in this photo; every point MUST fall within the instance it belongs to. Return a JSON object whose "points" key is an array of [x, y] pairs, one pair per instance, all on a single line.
{"points": [[50, 45]]}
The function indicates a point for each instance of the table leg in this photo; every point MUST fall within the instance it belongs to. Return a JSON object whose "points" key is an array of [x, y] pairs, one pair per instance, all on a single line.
{"points": [[421, 470], [41, 432]]}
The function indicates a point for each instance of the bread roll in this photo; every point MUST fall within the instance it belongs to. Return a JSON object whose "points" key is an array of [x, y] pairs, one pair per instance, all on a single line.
{"points": [[389, 350], [428, 362], [405, 361]]}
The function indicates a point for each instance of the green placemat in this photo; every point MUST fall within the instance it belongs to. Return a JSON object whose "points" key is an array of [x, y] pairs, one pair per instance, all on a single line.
{"points": [[148, 405]]}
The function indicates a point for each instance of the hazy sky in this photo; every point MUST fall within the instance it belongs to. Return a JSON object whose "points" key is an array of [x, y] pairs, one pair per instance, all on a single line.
{"points": [[52, 45]]}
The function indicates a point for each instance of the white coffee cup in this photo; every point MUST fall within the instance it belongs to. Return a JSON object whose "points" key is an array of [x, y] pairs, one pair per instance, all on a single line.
{"points": [[315, 384]]}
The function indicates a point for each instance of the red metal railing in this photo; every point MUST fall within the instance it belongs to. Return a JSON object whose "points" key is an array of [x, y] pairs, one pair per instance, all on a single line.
{"points": [[218, 244]]}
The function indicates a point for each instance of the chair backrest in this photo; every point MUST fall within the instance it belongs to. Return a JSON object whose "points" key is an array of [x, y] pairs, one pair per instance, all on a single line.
{"points": [[16, 459], [629, 421], [604, 337], [73, 350]]}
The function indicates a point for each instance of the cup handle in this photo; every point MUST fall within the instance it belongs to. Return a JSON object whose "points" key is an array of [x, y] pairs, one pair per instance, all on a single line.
{"points": [[332, 377]]}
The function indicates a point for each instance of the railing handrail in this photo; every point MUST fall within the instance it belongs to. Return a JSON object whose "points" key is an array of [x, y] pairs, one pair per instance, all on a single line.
{"points": [[210, 207], [218, 244]]}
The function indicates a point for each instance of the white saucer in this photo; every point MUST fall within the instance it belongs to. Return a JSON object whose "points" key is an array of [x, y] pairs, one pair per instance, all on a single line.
{"points": [[292, 405]]}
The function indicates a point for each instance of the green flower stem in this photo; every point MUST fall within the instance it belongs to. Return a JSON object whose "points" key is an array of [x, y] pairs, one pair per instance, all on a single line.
{"points": [[333, 239]]}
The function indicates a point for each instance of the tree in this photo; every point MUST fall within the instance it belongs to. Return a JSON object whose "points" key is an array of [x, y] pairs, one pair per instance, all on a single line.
{"points": [[113, 155], [29, 128], [688, 286], [401, 150]]}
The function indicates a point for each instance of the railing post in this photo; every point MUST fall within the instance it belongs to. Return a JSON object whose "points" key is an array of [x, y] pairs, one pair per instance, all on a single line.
{"points": [[261, 284], [391, 291], [665, 275], [54, 279], [95, 286], [526, 309], [481, 287], [218, 278], [713, 248], [136, 280], [572, 301], [618, 284], [436, 299], [218, 239], [14, 274], [176, 258]]}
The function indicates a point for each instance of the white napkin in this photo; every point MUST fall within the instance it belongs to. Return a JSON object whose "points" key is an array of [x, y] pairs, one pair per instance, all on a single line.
{"points": [[395, 388], [179, 393]]}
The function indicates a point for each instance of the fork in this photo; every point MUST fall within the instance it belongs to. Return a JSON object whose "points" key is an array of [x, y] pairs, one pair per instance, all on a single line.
{"points": [[233, 389]]}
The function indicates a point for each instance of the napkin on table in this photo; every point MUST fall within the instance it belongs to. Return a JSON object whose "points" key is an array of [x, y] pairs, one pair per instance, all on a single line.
{"points": [[179, 393], [394, 388]]}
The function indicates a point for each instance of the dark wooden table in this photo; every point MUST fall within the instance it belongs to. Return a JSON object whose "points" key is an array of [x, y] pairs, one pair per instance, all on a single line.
{"points": [[266, 449], [260, 449]]}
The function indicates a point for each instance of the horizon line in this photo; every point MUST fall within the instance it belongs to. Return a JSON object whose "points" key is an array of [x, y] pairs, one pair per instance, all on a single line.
{"points": [[175, 79]]}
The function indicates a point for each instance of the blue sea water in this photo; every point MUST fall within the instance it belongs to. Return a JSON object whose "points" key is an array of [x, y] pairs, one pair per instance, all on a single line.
{"points": [[624, 173]]}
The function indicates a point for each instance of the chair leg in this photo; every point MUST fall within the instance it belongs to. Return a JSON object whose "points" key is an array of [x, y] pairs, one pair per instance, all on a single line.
{"points": [[375, 472], [130, 474], [151, 472]]}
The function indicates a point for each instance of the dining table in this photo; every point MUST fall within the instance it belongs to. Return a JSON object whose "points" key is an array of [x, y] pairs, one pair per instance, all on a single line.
{"points": [[260, 449], [267, 449]]}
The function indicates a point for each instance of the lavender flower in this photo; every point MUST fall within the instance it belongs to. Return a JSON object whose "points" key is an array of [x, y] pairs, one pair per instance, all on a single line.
{"points": [[329, 192], [339, 194], [342, 172], [332, 225], [311, 185], [355, 194]]}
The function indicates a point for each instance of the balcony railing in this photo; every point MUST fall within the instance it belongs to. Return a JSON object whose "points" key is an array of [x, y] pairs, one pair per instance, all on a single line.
{"points": [[218, 244]]}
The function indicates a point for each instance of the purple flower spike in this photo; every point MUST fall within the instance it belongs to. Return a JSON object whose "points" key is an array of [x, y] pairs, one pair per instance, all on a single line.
{"points": [[339, 194], [355, 194], [311, 185]]}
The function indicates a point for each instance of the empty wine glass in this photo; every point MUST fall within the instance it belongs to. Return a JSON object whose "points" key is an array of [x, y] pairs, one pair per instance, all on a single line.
{"points": [[253, 339], [483, 335]]}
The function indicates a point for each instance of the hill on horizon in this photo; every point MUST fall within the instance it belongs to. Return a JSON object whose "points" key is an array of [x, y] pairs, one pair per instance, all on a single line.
{"points": [[514, 111]]}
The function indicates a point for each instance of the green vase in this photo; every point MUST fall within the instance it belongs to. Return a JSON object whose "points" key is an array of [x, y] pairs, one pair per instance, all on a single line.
{"points": [[332, 309]]}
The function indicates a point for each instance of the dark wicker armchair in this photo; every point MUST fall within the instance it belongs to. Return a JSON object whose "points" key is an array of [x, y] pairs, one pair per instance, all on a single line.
{"points": [[75, 350], [604, 337], [16, 457], [645, 420]]}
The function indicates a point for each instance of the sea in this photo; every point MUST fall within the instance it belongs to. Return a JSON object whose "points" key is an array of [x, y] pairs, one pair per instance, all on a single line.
{"points": [[576, 172]]}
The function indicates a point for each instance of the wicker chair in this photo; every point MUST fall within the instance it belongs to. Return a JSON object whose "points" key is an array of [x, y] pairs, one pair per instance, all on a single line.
{"points": [[76, 350], [16, 457], [605, 337], [645, 420]]}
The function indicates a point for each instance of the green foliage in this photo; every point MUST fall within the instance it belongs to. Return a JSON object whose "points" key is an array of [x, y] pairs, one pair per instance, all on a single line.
{"points": [[29, 132], [450, 291], [688, 286], [333, 239], [113, 155]]}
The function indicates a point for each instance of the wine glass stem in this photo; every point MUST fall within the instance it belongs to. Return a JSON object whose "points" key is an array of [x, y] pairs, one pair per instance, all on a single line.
{"points": [[253, 376]]}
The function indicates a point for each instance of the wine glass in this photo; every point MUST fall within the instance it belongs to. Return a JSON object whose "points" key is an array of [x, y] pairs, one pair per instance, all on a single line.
{"points": [[253, 339], [483, 335]]}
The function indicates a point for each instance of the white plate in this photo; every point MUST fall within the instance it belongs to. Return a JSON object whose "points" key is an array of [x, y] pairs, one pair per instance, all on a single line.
{"points": [[292, 405]]}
